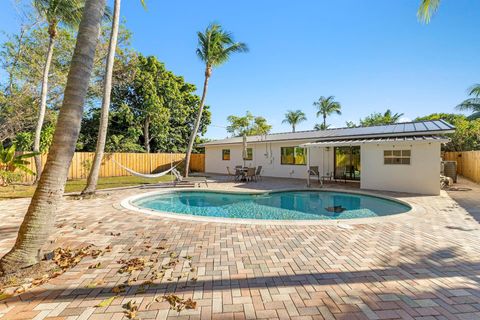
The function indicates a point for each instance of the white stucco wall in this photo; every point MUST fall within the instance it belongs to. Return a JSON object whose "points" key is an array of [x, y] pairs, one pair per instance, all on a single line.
{"points": [[421, 176], [266, 155]]}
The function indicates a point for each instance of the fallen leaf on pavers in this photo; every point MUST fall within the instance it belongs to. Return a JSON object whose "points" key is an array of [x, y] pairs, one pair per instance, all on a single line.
{"points": [[106, 302], [131, 309], [161, 248], [4, 296], [173, 254], [96, 253], [95, 266], [115, 234], [188, 257], [108, 248], [40, 281], [94, 284], [131, 265], [118, 289], [66, 258], [178, 304]]}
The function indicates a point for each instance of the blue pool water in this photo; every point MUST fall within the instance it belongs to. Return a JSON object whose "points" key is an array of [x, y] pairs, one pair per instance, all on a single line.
{"points": [[284, 205]]}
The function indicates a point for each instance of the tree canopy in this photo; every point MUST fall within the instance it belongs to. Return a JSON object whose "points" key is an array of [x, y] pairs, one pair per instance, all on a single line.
{"points": [[248, 124]]}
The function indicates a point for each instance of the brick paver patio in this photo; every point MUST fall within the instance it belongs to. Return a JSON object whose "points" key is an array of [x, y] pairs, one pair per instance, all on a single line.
{"points": [[426, 266]]}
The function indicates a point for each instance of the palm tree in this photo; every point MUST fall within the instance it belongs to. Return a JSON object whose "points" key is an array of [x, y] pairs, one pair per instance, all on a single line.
{"points": [[38, 222], [472, 104], [107, 89], [427, 9], [294, 117], [68, 12], [326, 107], [215, 46]]}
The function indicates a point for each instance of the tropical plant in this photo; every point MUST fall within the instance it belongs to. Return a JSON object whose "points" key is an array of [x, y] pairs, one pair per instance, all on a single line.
{"points": [[38, 221], [321, 126], [55, 12], [92, 179], [426, 9], [294, 117], [467, 132], [325, 107], [215, 46], [379, 119], [248, 125], [10, 162], [472, 104]]}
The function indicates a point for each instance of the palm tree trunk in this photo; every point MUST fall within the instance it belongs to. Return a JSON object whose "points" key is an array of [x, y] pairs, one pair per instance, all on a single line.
{"points": [[293, 127], [38, 222], [324, 121], [146, 134], [43, 108], [197, 123], [107, 89]]}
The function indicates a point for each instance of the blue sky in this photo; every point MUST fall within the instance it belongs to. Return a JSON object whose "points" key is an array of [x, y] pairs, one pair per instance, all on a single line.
{"points": [[371, 54]]}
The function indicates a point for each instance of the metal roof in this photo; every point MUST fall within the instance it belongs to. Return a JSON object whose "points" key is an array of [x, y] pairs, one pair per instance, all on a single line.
{"points": [[394, 130], [356, 142]]}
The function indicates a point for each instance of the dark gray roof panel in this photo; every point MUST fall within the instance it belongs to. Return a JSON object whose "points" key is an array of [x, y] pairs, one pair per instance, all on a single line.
{"points": [[399, 129]]}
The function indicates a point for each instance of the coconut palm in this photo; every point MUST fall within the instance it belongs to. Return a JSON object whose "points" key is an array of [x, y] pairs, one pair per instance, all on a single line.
{"points": [[38, 222], [472, 104], [215, 46], [55, 12], [107, 89], [294, 117], [327, 106], [427, 9]]}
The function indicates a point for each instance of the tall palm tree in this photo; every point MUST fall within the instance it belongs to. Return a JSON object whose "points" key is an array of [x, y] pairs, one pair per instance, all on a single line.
{"points": [[55, 12], [426, 9], [107, 90], [38, 222], [215, 47], [294, 117], [325, 107], [472, 104]]}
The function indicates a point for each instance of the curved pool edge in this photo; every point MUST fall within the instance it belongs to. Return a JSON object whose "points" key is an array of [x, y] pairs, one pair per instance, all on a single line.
{"points": [[414, 209]]}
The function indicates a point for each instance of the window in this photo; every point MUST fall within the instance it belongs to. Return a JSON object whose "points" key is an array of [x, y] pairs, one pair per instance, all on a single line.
{"points": [[396, 156], [249, 154], [293, 155], [226, 154]]}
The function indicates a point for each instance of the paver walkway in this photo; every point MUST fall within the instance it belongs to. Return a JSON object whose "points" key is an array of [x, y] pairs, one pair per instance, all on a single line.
{"points": [[467, 194], [425, 266]]}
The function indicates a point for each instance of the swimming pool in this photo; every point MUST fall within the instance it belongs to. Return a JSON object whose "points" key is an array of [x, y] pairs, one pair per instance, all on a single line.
{"points": [[279, 205]]}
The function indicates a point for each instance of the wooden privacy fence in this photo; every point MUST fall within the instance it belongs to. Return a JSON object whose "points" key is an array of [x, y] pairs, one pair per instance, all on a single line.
{"points": [[140, 162], [468, 163]]}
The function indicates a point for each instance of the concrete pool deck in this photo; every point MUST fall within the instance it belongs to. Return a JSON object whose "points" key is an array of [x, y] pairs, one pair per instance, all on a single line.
{"points": [[426, 266]]}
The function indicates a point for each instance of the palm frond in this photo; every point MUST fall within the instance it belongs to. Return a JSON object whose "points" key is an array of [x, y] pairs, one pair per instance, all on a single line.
{"points": [[472, 104], [427, 9], [474, 90]]}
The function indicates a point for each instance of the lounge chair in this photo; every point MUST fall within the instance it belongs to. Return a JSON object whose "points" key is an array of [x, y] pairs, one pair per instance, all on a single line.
{"points": [[231, 175], [188, 181], [313, 171]]}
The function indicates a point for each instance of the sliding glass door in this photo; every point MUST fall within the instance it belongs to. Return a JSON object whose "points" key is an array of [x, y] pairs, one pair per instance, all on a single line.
{"points": [[347, 163]]}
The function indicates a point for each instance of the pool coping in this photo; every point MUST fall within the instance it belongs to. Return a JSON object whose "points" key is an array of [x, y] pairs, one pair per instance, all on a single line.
{"points": [[342, 223]]}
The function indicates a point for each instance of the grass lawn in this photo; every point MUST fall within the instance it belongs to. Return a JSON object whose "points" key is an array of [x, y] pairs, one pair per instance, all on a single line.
{"points": [[26, 191]]}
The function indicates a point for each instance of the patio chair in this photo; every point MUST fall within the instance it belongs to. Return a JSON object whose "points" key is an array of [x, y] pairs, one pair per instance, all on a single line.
{"points": [[239, 174], [188, 181], [313, 171], [250, 174], [231, 175], [258, 173]]}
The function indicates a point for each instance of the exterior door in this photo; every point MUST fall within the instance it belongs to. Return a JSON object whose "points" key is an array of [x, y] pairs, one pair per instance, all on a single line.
{"points": [[347, 163]]}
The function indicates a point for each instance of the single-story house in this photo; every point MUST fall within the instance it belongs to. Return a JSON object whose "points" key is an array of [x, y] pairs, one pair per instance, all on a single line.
{"points": [[402, 157]]}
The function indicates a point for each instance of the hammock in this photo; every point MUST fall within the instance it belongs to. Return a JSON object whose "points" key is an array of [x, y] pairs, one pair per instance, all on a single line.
{"points": [[145, 175]]}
